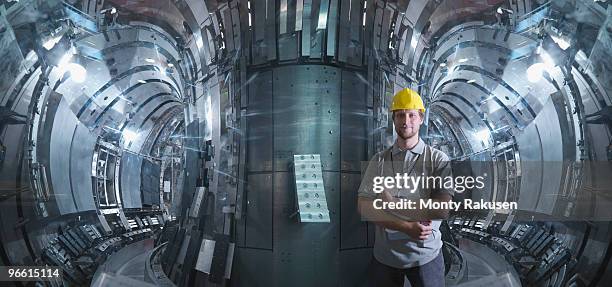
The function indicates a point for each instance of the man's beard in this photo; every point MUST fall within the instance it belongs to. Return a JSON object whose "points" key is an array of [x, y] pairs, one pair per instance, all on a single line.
{"points": [[404, 134]]}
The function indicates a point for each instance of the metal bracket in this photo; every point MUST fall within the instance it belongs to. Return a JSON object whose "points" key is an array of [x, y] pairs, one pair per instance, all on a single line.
{"points": [[310, 189], [216, 257]]}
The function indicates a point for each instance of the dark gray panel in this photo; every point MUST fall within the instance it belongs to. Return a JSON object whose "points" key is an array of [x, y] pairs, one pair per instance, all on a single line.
{"points": [[343, 28], [258, 220], [252, 267], [308, 251], [150, 182], [11, 55], [259, 123], [355, 56], [353, 231], [287, 47], [354, 267], [229, 31], [259, 31], [270, 30], [354, 122], [306, 114]]}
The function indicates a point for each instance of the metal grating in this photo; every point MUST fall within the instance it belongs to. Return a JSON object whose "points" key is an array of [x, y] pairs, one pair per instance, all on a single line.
{"points": [[310, 189]]}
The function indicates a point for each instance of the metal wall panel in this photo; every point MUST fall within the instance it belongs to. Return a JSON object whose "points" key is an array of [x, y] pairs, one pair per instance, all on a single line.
{"points": [[354, 122], [316, 34], [354, 267], [271, 30], [299, 110], [61, 138], [228, 34], [130, 180], [378, 25], [81, 155], [385, 29], [343, 30], [353, 230], [150, 182], [306, 114], [258, 221], [236, 25], [332, 28], [258, 31], [355, 56], [540, 160], [259, 123], [306, 24], [287, 47], [251, 267], [308, 251], [282, 29], [552, 158]]}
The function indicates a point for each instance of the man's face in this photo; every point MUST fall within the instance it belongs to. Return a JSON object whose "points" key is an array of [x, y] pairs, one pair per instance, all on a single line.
{"points": [[407, 123]]}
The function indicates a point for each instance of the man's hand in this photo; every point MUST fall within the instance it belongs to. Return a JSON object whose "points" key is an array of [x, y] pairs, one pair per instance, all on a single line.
{"points": [[417, 230]]}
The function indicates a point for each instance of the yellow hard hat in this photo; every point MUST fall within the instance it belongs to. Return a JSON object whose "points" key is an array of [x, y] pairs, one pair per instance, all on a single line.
{"points": [[407, 99]]}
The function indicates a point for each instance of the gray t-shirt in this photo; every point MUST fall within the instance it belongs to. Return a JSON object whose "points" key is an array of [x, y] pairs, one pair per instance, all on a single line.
{"points": [[394, 248]]}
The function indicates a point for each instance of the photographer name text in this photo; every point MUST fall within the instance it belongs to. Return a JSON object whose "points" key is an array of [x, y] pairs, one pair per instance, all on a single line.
{"points": [[408, 204]]}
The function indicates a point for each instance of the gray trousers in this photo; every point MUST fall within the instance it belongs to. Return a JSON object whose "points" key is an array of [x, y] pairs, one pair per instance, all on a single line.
{"points": [[430, 274]]}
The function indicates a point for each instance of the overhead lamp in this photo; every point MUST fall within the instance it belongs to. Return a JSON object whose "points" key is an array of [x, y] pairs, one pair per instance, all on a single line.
{"points": [[77, 72], [548, 60], [149, 60], [65, 60], [483, 135], [414, 41], [129, 136], [535, 72]]}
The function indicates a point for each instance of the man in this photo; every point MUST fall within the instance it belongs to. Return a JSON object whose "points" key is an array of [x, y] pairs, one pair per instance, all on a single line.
{"points": [[406, 248]]}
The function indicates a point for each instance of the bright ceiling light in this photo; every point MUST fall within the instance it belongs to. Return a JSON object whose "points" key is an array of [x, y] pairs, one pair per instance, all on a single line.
{"points": [[77, 72], [129, 136], [548, 60], [414, 42], [65, 60], [483, 135], [535, 72], [149, 60], [199, 41], [463, 60]]}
